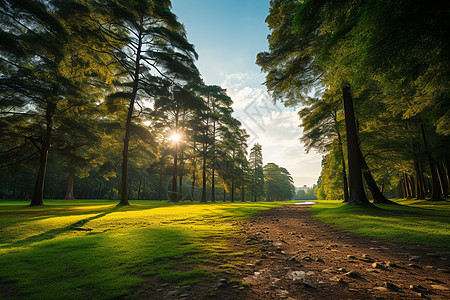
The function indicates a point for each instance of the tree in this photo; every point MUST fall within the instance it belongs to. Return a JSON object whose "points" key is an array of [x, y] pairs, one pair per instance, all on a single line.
{"points": [[293, 69], [322, 127], [278, 183], [145, 38], [38, 53], [257, 174]]}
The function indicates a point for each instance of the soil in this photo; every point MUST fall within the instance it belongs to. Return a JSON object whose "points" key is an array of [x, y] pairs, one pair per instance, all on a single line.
{"points": [[298, 257]]}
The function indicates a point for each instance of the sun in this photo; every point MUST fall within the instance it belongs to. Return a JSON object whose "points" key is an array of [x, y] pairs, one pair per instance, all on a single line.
{"points": [[175, 137]]}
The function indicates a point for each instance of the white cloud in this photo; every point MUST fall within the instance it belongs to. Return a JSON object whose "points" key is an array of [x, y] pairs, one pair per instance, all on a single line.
{"points": [[273, 126]]}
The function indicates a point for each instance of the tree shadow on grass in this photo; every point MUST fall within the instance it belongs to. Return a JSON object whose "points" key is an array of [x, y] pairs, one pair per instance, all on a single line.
{"points": [[109, 266], [51, 234]]}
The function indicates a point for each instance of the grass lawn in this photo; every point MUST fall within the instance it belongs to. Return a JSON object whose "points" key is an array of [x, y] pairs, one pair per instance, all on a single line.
{"points": [[414, 221], [93, 249]]}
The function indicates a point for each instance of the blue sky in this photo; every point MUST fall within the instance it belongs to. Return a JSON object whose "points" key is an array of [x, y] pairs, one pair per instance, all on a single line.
{"points": [[228, 34]]}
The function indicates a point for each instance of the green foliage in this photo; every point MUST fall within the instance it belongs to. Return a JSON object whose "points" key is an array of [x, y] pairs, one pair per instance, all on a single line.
{"points": [[395, 57], [257, 173], [278, 183], [301, 194]]}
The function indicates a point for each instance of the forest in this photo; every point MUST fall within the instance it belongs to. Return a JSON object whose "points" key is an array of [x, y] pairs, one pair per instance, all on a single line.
{"points": [[373, 79], [103, 100], [123, 175]]}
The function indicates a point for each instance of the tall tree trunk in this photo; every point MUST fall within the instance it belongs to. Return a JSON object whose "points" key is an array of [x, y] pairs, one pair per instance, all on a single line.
{"points": [[243, 191], [435, 187], [446, 168], [224, 195], [357, 195], [193, 185], [174, 195], [180, 187], [204, 178], [139, 188], [160, 177], [442, 179], [377, 195], [420, 189], [213, 186], [401, 189], [407, 189], [213, 180], [69, 191], [38, 193], [126, 140], [410, 186], [143, 191], [232, 189], [344, 172]]}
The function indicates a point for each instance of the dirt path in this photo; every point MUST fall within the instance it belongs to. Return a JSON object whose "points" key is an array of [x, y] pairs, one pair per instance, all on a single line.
{"points": [[298, 257]]}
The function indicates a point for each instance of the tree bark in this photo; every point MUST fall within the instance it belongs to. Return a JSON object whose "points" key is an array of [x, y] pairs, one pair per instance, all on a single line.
{"points": [[204, 178], [126, 140], [357, 195], [69, 191], [377, 195], [193, 185], [38, 193], [344, 172], [174, 195], [213, 186], [139, 188], [420, 189], [435, 187], [442, 179], [160, 177], [213, 180], [232, 189]]}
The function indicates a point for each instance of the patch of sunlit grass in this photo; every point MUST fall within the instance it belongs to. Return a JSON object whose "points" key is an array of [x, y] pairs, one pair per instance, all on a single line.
{"points": [[93, 249], [416, 222]]}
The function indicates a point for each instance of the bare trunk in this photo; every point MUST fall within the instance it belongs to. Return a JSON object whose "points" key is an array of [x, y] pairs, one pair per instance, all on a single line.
{"points": [[344, 172], [180, 187], [126, 140], [377, 195], [69, 191], [160, 178], [139, 188], [420, 189], [38, 193], [204, 178], [232, 189], [442, 179], [213, 180], [435, 188], [174, 196], [213, 186], [193, 186], [357, 195]]}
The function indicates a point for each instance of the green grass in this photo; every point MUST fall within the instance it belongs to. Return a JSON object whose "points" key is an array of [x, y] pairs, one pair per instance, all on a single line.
{"points": [[93, 249], [414, 221]]}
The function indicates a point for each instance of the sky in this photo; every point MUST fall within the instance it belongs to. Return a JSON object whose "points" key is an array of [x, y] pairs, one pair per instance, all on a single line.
{"points": [[227, 36]]}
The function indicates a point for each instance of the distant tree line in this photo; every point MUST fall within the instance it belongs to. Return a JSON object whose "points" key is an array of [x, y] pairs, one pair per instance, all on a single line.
{"points": [[102, 99], [306, 194], [373, 78]]}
